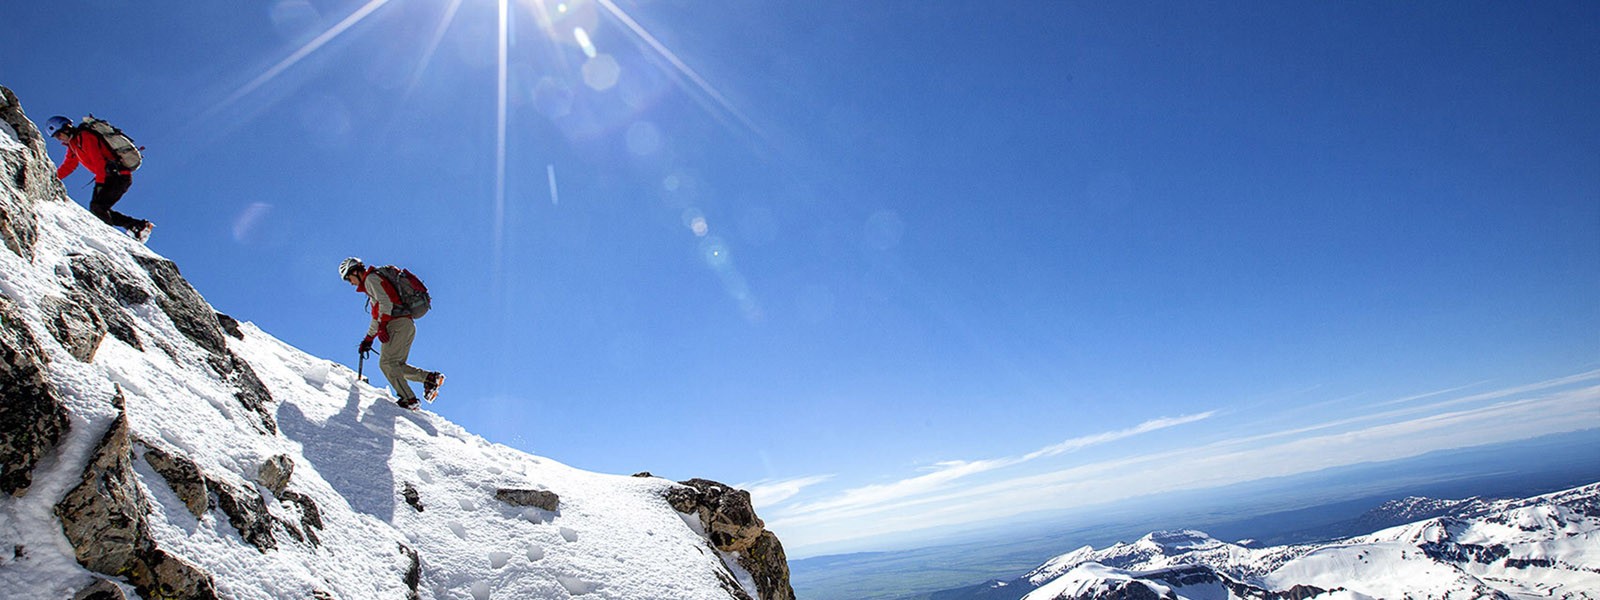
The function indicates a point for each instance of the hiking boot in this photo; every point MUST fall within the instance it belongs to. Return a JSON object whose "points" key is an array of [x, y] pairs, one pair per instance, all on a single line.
{"points": [[142, 231], [430, 385], [408, 403]]}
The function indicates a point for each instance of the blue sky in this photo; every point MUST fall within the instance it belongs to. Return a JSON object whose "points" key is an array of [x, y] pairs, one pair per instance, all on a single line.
{"points": [[917, 259]]}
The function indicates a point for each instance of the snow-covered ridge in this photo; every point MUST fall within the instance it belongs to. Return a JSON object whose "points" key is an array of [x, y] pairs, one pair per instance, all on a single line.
{"points": [[151, 447], [1541, 547]]}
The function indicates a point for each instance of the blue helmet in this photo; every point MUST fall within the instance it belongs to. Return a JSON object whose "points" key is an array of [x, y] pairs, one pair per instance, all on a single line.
{"points": [[55, 124]]}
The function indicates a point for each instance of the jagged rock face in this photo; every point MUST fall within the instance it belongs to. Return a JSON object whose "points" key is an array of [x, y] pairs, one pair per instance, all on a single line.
{"points": [[730, 521], [32, 418], [769, 566], [107, 289], [76, 323], [28, 171], [104, 518], [726, 512], [187, 309], [183, 476]]}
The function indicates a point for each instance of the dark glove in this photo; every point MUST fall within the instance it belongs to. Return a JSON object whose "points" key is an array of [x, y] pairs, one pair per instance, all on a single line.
{"points": [[366, 346], [383, 333]]}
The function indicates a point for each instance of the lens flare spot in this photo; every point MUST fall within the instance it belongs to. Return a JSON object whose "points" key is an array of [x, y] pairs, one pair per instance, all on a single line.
{"points": [[715, 253], [583, 41], [644, 138], [696, 222], [601, 72]]}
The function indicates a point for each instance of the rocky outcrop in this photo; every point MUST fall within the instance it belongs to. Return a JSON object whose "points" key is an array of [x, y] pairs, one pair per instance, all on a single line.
{"points": [[275, 474], [731, 524], [769, 566], [183, 476], [729, 519], [102, 589], [29, 170], [197, 321], [540, 499], [104, 518], [76, 323], [108, 289], [188, 310], [32, 417]]}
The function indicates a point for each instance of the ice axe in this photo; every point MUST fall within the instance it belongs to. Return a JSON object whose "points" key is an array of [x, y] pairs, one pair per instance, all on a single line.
{"points": [[361, 365]]}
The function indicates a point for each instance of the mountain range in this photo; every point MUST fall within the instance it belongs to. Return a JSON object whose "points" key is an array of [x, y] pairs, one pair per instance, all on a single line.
{"points": [[1547, 546]]}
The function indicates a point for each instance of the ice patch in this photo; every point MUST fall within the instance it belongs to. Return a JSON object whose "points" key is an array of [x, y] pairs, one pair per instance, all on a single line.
{"points": [[480, 590], [456, 526], [499, 559], [535, 553], [466, 504], [568, 534]]}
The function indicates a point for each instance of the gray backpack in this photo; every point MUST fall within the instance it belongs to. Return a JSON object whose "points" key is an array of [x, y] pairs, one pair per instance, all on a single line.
{"points": [[414, 298], [127, 152]]}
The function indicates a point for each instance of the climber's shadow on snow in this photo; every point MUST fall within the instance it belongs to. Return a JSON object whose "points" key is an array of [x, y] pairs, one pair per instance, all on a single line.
{"points": [[352, 450]]}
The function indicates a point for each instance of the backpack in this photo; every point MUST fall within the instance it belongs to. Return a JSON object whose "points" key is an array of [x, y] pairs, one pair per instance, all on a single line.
{"points": [[414, 298], [128, 156]]}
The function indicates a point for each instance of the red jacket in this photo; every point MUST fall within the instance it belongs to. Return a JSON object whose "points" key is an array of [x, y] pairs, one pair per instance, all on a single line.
{"points": [[90, 149], [382, 306]]}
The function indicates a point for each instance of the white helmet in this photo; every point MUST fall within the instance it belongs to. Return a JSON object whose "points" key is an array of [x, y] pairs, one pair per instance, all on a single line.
{"points": [[348, 266]]}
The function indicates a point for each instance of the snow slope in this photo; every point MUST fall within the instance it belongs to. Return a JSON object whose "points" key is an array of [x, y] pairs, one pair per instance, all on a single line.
{"points": [[354, 454]]}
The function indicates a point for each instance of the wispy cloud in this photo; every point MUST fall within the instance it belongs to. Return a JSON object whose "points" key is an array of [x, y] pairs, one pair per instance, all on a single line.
{"points": [[930, 500], [768, 492], [946, 473]]}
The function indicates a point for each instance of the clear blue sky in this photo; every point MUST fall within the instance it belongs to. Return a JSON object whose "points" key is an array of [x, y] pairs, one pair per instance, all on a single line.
{"points": [[863, 256]]}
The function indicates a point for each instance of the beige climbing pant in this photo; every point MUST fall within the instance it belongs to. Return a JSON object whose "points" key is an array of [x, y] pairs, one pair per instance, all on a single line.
{"points": [[392, 359]]}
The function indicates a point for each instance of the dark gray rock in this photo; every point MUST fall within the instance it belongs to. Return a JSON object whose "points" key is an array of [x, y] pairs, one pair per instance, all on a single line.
{"points": [[93, 272], [183, 476], [32, 417], [247, 512], [75, 322], [310, 515], [541, 499], [412, 497], [29, 171], [189, 312], [248, 388], [104, 520], [230, 326], [102, 589], [252, 393], [109, 289], [413, 575], [275, 474]]}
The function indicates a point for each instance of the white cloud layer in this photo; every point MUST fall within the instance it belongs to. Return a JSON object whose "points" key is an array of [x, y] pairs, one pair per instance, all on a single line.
{"points": [[934, 498]]}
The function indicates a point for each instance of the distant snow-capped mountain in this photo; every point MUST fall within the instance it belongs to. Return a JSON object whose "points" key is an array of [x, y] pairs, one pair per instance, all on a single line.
{"points": [[151, 447], [1542, 547]]}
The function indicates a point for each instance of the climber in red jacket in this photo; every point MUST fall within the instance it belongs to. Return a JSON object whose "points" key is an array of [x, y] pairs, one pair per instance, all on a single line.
{"points": [[111, 181]]}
